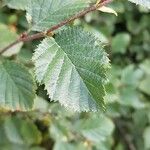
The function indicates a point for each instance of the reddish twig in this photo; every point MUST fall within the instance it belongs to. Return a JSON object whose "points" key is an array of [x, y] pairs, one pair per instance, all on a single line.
{"points": [[67, 21]]}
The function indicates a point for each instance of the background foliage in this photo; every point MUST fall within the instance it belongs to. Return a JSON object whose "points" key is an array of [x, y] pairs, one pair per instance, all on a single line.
{"points": [[126, 121]]}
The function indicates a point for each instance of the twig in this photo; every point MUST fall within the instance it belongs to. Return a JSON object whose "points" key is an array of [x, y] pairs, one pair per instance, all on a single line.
{"points": [[67, 21]]}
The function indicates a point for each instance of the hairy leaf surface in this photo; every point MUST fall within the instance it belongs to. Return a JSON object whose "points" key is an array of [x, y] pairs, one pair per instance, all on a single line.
{"points": [[43, 14], [72, 67], [16, 87]]}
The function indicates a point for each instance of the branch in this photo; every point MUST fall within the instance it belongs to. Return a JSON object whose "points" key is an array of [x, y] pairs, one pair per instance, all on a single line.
{"points": [[26, 38]]}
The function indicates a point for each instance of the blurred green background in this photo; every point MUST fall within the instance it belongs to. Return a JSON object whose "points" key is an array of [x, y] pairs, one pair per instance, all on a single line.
{"points": [[126, 123]]}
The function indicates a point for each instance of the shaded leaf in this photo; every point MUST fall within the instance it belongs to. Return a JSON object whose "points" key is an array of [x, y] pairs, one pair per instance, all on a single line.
{"points": [[6, 38], [146, 136], [59, 145], [21, 131], [120, 42], [65, 146], [145, 86], [130, 97], [17, 88], [96, 129], [131, 76]]}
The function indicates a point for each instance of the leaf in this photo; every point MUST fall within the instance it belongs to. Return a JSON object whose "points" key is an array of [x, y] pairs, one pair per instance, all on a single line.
{"points": [[59, 130], [131, 76], [69, 146], [145, 67], [63, 146], [43, 14], [145, 3], [16, 4], [130, 97], [3, 138], [24, 56], [17, 88], [120, 42], [73, 68], [19, 147], [146, 136], [20, 131], [6, 38], [96, 129], [41, 104], [97, 33], [144, 85]]}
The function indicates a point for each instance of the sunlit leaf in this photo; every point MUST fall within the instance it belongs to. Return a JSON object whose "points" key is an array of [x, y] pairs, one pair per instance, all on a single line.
{"points": [[73, 68], [44, 14]]}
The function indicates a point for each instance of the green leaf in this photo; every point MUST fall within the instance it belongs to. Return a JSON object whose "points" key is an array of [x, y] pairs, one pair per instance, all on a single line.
{"points": [[73, 68], [63, 146], [17, 88], [11, 127], [19, 147], [43, 14], [3, 137], [25, 56], [146, 136], [120, 42], [130, 97], [21, 131], [145, 67], [41, 104], [9, 146], [16, 4], [59, 130], [96, 129], [7, 37], [131, 76], [69, 146], [145, 85], [145, 3]]}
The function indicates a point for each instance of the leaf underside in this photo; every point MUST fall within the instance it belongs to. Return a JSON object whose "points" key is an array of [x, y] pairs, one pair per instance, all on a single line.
{"points": [[72, 67], [17, 89]]}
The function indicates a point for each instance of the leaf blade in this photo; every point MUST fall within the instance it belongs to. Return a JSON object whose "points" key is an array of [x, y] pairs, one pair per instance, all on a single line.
{"points": [[73, 72], [45, 14], [17, 87], [7, 37]]}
